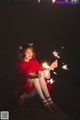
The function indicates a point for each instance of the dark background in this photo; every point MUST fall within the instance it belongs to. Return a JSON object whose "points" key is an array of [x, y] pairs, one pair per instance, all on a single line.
{"points": [[49, 27]]}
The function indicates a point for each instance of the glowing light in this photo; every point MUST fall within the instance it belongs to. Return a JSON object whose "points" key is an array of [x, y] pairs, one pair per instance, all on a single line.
{"points": [[20, 47], [30, 44], [51, 81], [74, 0], [65, 67], [45, 65], [68, 2], [55, 73], [38, 1], [53, 1], [55, 53], [46, 74], [62, 47]]}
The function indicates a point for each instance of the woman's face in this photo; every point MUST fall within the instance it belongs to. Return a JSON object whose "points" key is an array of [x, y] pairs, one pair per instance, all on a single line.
{"points": [[28, 53]]}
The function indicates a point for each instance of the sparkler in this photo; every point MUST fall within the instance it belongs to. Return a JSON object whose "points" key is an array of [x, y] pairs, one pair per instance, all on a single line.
{"points": [[45, 65], [55, 53], [47, 72], [47, 68]]}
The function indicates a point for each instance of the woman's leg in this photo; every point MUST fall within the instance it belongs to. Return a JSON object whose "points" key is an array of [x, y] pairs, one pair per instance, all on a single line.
{"points": [[38, 88], [45, 90], [36, 83], [43, 85]]}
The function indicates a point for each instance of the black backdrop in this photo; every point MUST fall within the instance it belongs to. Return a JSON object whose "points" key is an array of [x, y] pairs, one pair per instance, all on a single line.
{"points": [[50, 27]]}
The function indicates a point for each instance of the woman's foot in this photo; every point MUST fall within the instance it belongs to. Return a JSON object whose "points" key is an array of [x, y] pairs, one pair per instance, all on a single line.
{"points": [[47, 106], [20, 101], [51, 103]]}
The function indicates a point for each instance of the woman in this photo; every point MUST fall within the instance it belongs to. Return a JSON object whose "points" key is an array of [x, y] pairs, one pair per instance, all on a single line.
{"points": [[30, 76]]}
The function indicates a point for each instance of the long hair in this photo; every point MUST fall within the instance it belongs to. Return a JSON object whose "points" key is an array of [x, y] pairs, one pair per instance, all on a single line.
{"points": [[22, 48]]}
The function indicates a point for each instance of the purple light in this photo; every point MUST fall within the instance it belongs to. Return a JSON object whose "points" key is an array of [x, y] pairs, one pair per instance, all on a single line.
{"points": [[58, 2], [67, 2]]}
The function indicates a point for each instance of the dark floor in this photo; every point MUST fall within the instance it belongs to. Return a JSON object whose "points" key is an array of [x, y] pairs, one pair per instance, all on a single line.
{"points": [[64, 95]]}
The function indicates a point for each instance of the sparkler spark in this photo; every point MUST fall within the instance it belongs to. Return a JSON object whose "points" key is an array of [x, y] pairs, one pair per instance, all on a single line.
{"points": [[65, 67], [55, 53], [55, 73], [51, 81]]}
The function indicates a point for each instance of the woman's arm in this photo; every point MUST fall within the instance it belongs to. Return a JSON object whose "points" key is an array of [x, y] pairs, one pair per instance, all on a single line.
{"points": [[46, 72]]}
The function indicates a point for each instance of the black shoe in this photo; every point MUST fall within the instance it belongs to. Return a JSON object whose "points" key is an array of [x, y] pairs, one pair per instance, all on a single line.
{"points": [[47, 106], [52, 104]]}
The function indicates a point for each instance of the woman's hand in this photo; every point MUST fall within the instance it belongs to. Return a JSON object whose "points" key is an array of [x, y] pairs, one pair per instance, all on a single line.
{"points": [[54, 64]]}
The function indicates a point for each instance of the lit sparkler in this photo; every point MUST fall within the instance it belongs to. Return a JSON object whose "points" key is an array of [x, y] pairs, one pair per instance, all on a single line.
{"points": [[45, 65], [47, 68], [64, 66]]}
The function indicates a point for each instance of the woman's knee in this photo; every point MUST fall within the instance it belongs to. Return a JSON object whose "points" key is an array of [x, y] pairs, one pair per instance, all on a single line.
{"points": [[41, 74], [35, 80]]}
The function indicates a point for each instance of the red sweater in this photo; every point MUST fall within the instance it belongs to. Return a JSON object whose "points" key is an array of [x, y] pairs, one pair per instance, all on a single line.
{"points": [[23, 68]]}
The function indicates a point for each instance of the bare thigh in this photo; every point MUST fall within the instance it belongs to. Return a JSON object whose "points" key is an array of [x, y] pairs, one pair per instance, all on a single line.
{"points": [[30, 81]]}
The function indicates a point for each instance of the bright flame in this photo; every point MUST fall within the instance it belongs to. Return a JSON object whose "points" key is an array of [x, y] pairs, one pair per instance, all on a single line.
{"points": [[55, 53], [45, 65], [46, 72]]}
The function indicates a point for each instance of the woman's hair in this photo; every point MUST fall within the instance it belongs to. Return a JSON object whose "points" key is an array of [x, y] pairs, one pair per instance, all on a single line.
{"points": [[22, 48]]}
